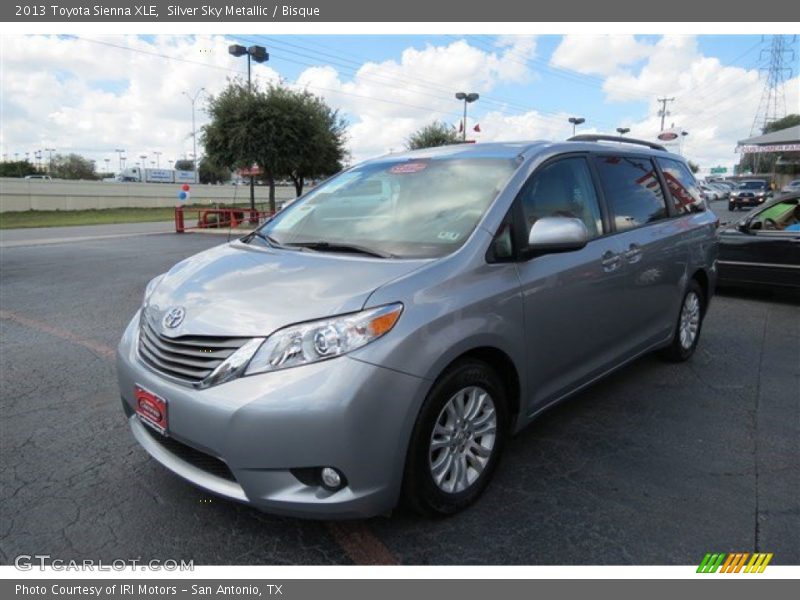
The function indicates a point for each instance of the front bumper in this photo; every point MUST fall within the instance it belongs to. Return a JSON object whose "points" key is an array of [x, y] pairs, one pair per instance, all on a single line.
{"points": [[748, 201], [343, 413]]}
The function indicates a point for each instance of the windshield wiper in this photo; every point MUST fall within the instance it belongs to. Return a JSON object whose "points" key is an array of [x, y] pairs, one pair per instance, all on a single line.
{"points": [[267, 238], [337, 247]]}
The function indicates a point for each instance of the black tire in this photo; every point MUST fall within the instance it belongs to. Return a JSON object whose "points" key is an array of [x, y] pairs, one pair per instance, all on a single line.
{"points": [[420, 491], [677, 351]]}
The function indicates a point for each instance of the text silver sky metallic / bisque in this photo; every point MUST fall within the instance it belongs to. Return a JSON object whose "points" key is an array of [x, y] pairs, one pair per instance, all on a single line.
{"points": [[383, 336]]}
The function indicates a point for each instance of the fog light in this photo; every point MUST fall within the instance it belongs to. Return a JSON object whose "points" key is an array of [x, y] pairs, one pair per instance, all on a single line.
{"points": [[331, 478]]}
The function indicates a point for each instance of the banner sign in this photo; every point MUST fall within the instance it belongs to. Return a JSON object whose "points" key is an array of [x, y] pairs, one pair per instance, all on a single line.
{"points": [[768, 148]]}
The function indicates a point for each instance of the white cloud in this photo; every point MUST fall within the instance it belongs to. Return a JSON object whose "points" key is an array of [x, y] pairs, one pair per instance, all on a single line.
{"points": [[76, 95], [391, 99], [598, 54], [79, 95], [714, 103]]}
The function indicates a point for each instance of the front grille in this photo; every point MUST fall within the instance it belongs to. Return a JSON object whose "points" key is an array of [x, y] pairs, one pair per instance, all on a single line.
{"points": [[190, 358], [205, 462]]}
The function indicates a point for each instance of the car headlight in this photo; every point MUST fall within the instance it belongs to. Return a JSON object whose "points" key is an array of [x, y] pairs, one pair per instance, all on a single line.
{"points": [[320, 340], [151, 286]]}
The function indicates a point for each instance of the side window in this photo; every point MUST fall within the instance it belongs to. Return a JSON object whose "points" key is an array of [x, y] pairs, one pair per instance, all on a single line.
{"points": [[563, 189], [683, 189], [632, 190]]}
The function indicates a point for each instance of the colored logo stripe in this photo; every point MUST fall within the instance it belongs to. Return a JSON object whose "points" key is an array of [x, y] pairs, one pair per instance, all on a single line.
{"points": [[711, 563], [758, 563], [734, 562]]}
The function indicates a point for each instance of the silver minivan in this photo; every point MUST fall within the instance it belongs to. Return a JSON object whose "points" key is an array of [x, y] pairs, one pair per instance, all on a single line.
{"points": [[382, 338]]}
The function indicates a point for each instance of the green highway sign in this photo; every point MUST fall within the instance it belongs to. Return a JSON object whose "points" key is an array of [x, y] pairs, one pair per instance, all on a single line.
{"points": [[715, 170]]}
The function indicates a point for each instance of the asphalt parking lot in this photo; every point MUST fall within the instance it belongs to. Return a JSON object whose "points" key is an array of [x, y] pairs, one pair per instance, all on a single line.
{"points": [[658, 464]]}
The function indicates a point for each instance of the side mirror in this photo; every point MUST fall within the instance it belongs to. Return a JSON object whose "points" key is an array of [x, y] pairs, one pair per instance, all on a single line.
{"points": [[557, 234]]}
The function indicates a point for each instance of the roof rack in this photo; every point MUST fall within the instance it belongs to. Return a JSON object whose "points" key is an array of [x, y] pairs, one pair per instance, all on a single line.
{"points": [[592, 137]]}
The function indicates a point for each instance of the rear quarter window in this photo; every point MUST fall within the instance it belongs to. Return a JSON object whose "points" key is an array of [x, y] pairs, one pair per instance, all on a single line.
{"points": [[683, 189]]}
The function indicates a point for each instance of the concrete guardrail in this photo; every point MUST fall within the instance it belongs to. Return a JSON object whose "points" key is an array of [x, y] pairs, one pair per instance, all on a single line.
{"points": [[35, 194]]}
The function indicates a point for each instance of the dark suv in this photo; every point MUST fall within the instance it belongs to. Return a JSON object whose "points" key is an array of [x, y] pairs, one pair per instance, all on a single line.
{"points": [[750, 192]]}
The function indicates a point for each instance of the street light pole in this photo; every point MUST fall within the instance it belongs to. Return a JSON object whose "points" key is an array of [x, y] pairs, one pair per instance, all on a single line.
{"points": [[120, 152], [467, 98], [575, 122], [260, 55], [158, 158], [50, 159], [193, 100]]}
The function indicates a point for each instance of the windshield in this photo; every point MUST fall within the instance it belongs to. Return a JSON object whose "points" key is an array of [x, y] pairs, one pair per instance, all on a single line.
{"points": [[752, 185], [421, 208]]}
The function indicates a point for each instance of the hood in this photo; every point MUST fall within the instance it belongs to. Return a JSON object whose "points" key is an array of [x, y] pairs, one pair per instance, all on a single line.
{"points": [[237, 290]]}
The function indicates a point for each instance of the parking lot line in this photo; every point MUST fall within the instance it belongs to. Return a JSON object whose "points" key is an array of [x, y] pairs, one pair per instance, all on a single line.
{"points": [[355, 538], [360, 544], [96, 347]]}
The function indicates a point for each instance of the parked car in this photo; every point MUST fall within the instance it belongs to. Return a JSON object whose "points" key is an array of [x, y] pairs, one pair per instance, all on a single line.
{"points": [[791, 187], [723, 192], [709, 193], [384, 335], [750, 192], [39, 177], [764, 247]]}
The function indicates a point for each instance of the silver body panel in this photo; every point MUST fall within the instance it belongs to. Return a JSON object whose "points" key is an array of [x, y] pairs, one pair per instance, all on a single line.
{"points": [[563, 320]]}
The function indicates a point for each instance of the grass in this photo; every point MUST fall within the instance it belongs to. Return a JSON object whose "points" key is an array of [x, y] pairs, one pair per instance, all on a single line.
{"points": [[105, 216]]}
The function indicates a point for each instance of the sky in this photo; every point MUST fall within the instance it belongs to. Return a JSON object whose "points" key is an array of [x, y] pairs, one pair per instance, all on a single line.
{"points": [[92, 94]]}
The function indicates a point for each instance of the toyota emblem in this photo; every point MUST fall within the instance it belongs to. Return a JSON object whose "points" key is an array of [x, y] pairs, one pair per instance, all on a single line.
{"points": [[174, 317]]}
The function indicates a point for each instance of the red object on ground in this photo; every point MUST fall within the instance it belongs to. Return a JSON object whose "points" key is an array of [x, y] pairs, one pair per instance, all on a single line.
{"points": [[179, 228], [215, 218]]}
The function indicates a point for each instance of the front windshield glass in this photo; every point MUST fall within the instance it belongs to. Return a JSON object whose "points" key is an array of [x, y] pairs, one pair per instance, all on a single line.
{"points": [[419, 208], [752, 185]]}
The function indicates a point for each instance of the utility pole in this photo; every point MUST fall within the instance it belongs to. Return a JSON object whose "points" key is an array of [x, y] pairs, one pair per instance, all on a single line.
{"points": [[664, 112], [776, 69]]}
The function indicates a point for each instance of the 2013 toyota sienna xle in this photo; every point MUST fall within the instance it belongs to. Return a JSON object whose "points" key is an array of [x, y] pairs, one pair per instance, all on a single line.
{"points": [[382, 337]]}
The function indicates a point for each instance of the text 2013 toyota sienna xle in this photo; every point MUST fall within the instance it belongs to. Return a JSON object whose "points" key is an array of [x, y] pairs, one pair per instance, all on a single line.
{"points": [[383, 337]]}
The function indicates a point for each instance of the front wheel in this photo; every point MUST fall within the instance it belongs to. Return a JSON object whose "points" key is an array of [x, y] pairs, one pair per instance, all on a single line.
{"points": [[457, 440], [690, 322]]}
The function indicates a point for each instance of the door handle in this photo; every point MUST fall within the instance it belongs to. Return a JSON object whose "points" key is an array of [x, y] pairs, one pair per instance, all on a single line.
{"points": [[610, 261], [633, 254]]}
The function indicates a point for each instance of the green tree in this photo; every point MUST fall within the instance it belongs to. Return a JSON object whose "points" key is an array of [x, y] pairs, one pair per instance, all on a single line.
{"points": [[17, 168], [316, 135], [766, 162], [184, 165], [72, 166], [284, 132], [787, 121], [210, 172], [433, 134], [694, 167]]}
